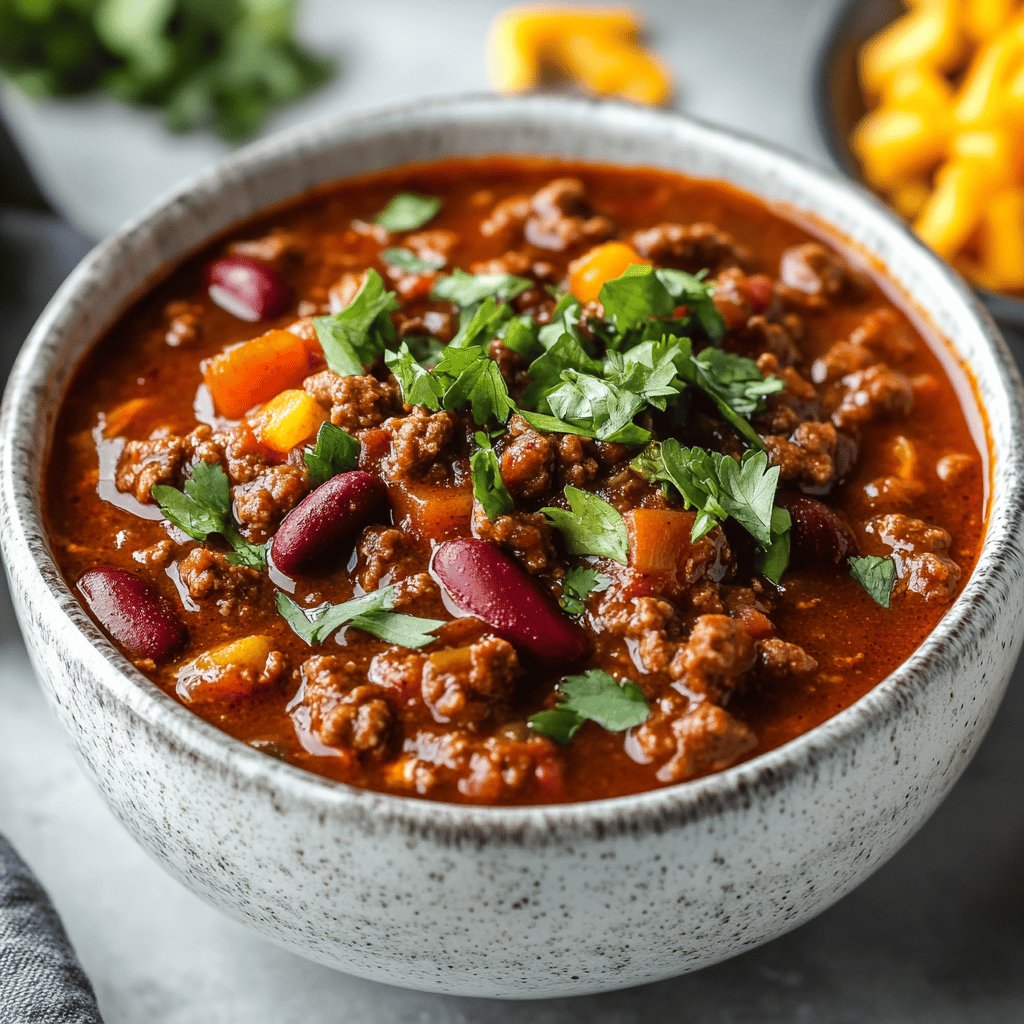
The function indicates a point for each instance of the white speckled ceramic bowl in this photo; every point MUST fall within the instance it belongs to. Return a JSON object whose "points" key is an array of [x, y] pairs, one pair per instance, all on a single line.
{"points": [[518, 902]]}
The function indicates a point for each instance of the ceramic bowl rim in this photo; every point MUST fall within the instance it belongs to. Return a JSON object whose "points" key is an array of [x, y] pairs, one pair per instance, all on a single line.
{"points": [[654, 809]]}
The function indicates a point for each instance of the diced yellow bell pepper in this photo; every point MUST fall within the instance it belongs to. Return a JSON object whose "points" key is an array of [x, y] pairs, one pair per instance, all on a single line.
{"points": [[598, 265], [929, 36], [250, 652], [288, 420], [954, 209], [1001, 240], [226, 673], [894, 145]]}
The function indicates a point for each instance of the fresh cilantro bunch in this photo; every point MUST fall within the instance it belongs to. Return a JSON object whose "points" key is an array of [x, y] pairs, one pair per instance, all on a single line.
{"points": [[222, 65]]}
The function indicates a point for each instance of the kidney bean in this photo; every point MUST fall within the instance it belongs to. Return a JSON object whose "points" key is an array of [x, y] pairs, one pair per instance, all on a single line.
{"points": [[246, 288], [327, 521], [820, 536], [133, 612], [483, 581]]}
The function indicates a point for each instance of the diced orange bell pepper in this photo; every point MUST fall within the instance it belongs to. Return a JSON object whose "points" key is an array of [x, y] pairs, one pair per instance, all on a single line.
{"points": [[253, 372], [659, 539], [596, 266], [433, 511], [287, 420]]}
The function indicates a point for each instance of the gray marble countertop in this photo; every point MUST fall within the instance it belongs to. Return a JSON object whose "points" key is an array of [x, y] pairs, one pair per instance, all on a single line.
{"points": [[935, 937]]}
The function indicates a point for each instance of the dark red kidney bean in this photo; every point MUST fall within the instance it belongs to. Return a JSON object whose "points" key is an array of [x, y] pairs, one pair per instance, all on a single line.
{"points": [[326, 523], [820, 536], [133, 612], [246, 288], [483, 581]]}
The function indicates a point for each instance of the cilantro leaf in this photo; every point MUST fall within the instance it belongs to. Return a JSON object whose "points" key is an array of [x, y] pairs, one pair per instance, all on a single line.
{"points": [[468, 289], [693, 473], [578, 585], [336, 451], [774, 561], [406, 259], [717, 486], [203, 508], [876, 574], [596, 403], [484, 323], [353, 338], [594, 696], [521, 335], [736, 386], [419, 385], [748, 490], [462, 377], [590, 526], [488, 487], [473, 379], [545, 372], [408, 211], [650, 370], [371, 613], [636, 296], [692, 291]]}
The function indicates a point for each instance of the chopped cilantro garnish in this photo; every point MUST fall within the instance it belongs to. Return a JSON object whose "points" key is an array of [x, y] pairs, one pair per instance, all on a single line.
{"points": [[203, 508], [876, 574], [692, 291], [462, 377], [468, 289], [371, 613], [773, 562], [636, 296], [406, 259], [520, 335], [336, 451], [594, 696], [716, 486], [478, 325], [735, 385], [408, 211], [590, 526], [353, 338], [419, 385], [578, 585], [488, 487]]}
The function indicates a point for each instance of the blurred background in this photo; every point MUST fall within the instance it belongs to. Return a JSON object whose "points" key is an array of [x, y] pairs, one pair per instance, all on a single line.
{"points": [[100, 115]]}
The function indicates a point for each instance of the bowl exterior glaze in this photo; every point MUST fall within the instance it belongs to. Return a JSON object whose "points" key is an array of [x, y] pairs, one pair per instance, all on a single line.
{"points": [[515, 902]]}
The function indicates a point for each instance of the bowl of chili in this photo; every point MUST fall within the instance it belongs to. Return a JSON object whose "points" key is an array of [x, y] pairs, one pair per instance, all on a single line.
{"points": [[615, 549]]}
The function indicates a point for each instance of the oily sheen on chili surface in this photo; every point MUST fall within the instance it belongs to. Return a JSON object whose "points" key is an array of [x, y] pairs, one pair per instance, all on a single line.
{"points": [[580, 480]]}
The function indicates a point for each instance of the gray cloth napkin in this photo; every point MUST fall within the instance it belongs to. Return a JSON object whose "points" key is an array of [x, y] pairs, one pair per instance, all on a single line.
{"points": [[41, 980]]}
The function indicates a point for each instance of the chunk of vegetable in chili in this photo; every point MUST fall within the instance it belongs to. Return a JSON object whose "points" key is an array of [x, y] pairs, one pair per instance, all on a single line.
{"points": [[597, 480]]}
